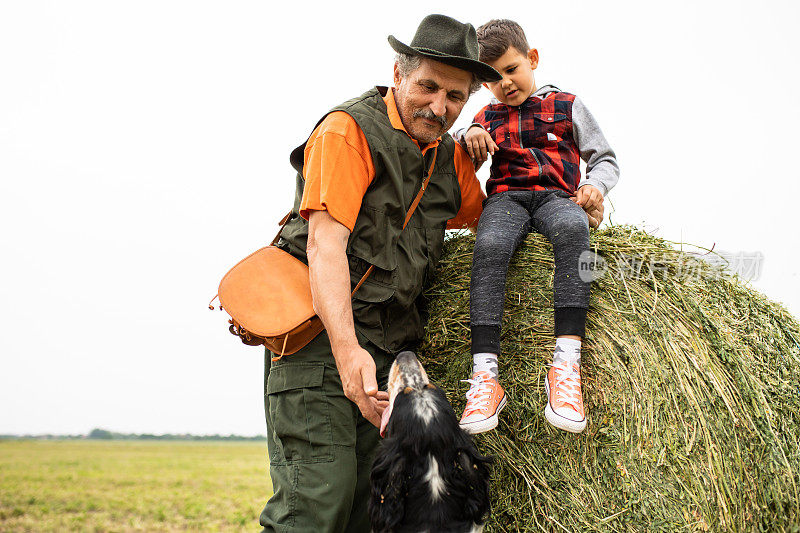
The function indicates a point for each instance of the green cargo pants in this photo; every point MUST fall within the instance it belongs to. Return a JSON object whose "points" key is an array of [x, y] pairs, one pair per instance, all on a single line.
{"points": [[320, 447]]}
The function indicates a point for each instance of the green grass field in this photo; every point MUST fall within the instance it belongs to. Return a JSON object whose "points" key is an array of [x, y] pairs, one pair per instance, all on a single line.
{"points": [[132, 485]]}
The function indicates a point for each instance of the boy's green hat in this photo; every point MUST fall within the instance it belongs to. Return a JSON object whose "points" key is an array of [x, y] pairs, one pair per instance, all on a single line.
{"points": [[447, 40]]}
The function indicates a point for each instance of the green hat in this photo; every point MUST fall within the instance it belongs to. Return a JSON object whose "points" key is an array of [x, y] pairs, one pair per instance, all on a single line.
{"points": [[445, 39]]}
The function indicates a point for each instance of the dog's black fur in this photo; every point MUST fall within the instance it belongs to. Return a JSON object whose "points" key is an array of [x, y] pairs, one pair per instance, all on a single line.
{"points": [[402, 498]]}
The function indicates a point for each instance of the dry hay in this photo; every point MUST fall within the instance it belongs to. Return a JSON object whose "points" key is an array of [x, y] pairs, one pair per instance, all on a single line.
{"points": [[691, 381]]}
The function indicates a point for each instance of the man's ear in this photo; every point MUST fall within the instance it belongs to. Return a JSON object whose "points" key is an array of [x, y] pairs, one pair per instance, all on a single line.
{"points": [[397, 77], [533, 57]]}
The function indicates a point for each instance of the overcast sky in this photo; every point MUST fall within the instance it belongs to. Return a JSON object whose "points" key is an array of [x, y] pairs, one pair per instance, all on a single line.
{"points": [[144, 150]]}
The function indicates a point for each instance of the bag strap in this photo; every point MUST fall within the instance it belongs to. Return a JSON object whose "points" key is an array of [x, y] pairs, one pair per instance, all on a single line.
{"points": [[416, 201], [282, 223], [410, 212]]}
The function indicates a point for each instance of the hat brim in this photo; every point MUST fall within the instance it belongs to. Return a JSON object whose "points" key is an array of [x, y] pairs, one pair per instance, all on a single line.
{"points": [[484, 72]]}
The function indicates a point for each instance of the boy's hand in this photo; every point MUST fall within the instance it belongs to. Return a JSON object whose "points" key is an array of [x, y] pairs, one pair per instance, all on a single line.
{"points": [[595, 216], [479, 144], [590, 199]]}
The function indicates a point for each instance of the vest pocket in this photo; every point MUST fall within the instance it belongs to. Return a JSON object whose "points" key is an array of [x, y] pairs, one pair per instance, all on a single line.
{"points": [[435, 238], [358, 267], [368, 240], [368, 302]]}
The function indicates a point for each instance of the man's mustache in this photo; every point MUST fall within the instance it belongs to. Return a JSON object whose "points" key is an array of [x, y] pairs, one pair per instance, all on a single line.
{"points": [[427, 113]]}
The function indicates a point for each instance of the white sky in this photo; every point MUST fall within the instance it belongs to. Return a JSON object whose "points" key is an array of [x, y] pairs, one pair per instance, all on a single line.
{"points": [[144, 150]]}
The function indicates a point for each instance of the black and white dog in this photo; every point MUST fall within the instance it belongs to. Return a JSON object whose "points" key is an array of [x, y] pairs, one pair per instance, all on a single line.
{"points": [[428, 476]]}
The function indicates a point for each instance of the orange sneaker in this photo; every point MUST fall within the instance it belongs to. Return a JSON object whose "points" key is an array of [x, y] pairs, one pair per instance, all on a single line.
{"points": [[564, 399], [485, 399]]}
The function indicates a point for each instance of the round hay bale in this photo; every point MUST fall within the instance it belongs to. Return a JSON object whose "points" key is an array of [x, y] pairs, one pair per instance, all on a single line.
{"points": [[691, 382]]}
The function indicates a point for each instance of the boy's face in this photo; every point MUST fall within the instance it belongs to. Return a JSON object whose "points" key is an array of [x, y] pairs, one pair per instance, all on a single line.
{"points": [[517, 71]]}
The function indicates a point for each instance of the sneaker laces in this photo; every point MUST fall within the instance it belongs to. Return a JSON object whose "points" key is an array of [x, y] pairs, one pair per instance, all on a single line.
{"points": [[568, 382], [479, 393]]}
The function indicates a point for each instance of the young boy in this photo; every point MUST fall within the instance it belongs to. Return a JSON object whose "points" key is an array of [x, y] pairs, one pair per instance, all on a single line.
{"points": [[536, 138]]}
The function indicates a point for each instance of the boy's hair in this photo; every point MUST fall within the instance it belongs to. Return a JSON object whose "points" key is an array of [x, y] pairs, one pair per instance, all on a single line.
{"points": [[497, 36]]}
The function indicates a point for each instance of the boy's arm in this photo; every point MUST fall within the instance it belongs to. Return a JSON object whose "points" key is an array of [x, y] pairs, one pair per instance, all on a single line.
{"points": [[460, 133], [478, 121], [477, 146], [602, 170]]}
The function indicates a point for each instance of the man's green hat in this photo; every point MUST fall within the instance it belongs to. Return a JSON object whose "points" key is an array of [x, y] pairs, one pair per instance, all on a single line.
{"points": [[445, 39]]}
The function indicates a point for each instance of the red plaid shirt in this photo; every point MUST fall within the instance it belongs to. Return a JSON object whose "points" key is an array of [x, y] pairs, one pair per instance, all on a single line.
{"points": [[537, 148]]}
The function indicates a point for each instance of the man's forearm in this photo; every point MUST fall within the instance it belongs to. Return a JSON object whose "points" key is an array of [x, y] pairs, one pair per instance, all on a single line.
{"points": [[330, 286]]}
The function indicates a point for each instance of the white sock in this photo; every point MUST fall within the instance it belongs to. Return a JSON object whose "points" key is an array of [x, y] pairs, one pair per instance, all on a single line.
{"points": [[567, 349], [485, 362]]}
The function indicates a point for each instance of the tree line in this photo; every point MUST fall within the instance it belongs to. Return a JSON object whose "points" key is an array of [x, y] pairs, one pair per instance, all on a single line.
{"points": [[104, 434]]}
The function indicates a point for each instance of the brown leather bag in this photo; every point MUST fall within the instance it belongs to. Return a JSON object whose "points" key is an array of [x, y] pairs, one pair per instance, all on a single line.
{"points": [[268, 295]]}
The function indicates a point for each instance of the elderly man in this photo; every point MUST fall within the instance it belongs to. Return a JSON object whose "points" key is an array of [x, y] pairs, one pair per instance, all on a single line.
{"points": [[358, 174]]}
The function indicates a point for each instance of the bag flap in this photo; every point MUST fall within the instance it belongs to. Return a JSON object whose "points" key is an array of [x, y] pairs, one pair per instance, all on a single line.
{"points": [[268, 292]]}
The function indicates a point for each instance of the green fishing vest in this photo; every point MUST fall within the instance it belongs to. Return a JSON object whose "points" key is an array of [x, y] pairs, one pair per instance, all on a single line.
{"points": [[386, 306]]}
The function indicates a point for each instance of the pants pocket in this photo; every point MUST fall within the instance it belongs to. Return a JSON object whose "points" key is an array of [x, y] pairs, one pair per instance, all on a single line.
{"points": [[299, 413]]}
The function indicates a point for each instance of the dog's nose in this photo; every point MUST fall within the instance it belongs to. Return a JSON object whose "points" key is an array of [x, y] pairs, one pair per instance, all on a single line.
{"points": [[410, 371], [408, 364], [406, 358]]}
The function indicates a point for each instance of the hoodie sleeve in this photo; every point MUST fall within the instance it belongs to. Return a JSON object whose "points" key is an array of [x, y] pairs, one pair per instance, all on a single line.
{"points": [[602, 170]]}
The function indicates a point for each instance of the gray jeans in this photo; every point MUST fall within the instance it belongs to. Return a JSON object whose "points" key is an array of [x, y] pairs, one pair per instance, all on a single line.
{"points": [[507, 217]]}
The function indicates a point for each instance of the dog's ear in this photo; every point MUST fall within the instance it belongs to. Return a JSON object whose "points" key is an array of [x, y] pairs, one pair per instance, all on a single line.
{"points": [[387, 488], [472, 474]]}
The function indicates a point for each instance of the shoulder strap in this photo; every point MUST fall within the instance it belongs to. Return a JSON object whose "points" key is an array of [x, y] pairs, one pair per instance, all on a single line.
{"points": [[282, 223]]}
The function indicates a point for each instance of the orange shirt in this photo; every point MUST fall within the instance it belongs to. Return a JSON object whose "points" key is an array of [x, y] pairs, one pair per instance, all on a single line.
{"points": [[338, 169]]}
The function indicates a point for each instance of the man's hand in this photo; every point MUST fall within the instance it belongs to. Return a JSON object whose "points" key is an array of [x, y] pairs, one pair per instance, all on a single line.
{"points": [[357, 370], [590, 199], [479, 144]]}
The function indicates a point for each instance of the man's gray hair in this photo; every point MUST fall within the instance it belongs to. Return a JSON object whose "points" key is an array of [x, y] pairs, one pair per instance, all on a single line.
{"points": [[407, 63]]}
